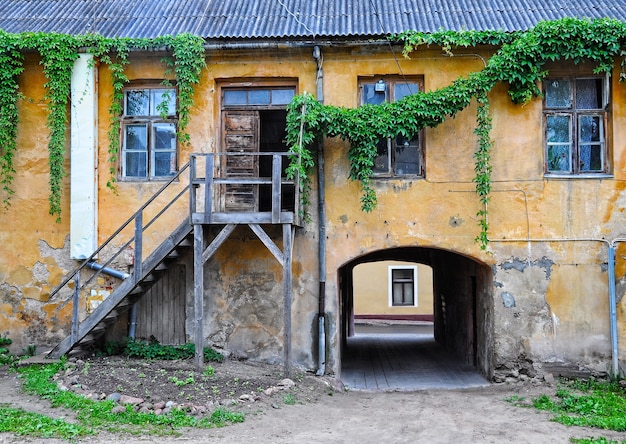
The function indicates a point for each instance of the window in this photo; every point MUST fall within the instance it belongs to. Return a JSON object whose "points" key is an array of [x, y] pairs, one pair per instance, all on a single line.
{"points": [[403, 286], [149, 133], [400, 156], [575, 125]]}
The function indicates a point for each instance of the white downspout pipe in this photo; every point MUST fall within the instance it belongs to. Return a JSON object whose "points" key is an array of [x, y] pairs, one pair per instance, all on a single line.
{"points": [[83, 158]]}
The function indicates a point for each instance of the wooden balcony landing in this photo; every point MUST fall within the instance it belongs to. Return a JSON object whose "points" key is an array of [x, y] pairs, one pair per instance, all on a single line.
{"points": [[243, 188]]}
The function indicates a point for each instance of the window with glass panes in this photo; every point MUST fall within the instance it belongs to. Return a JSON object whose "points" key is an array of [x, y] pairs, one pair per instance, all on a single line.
{"points": [[149, 145], [403, 286], [401, 156], [575, 125]]}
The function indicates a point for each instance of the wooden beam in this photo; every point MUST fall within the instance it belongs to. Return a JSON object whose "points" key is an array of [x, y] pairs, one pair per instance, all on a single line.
{"points": [[219, 240], [208, 189], [287, 277], [276, 188], [137, 269], [198, 293], [279, 255]]}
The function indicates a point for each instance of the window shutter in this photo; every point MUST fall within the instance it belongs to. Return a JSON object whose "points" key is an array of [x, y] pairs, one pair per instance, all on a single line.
{"points": [[240, 132]]}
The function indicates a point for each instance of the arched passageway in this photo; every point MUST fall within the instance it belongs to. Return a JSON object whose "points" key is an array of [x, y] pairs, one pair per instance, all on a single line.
{"points": [[450, 348]]}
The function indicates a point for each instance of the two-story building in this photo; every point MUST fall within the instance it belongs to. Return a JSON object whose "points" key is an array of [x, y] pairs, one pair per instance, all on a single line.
{"points": [[205, 241]]}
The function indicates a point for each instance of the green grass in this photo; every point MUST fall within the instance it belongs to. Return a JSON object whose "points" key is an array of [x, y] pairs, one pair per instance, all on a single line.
{"points": [[22, 423], [92, 416], [586, 403]]}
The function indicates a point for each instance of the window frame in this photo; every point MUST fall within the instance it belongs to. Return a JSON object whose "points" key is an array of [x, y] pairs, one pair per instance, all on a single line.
{"points": [[391, 145], [574, 114], [151, 122], [391, 281]]}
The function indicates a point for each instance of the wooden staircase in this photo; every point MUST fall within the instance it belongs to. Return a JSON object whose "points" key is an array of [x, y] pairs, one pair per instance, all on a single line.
{"points": [[126, 294], [146, 270], [202, 199]]}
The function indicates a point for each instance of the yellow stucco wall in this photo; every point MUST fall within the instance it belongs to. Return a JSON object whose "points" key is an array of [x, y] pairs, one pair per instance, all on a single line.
{"points": [[543, 231], [371, 289]]}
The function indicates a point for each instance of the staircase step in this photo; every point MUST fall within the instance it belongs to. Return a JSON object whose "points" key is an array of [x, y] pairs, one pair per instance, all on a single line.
{"points": [[172, 255], [186, 243], [161, 267], [125, 294]]}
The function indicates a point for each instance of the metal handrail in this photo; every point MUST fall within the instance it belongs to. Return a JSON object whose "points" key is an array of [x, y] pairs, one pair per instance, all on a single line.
{"points": [[132, 218]]}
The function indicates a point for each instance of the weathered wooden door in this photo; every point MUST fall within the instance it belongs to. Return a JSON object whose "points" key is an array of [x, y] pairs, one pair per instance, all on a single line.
{"points": [[161, 311], [240, 132]]}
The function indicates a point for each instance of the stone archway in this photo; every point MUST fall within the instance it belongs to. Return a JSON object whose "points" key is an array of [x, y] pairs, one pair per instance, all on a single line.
{"points": [[462, 302]]}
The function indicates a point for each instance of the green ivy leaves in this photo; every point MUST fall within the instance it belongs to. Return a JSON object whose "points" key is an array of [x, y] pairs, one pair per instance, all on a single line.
{"points": [[58, 53], [10, 69], [519, 62]]}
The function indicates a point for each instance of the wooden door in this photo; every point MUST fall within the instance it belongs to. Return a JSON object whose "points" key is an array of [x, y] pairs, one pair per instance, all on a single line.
{"points": [[161, 311], [240, 134]]}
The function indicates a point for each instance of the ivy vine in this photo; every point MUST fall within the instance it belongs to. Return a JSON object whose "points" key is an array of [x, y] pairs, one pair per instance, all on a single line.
{"points": [[519, 63], [58, 54], [10, 69]]}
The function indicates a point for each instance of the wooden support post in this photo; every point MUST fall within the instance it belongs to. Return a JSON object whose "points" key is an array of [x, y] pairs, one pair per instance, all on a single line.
{"points": [[198, 294], [287, 275], [276, 188], [75, 302], [208, 189]]}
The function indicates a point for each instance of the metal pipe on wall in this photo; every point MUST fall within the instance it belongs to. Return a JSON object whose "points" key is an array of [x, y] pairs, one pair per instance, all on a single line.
{"points": [[613, 311], [321, 315], [611, 284]]}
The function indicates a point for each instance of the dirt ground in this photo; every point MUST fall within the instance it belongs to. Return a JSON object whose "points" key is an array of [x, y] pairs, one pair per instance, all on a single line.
{"points": [[312, 410]]}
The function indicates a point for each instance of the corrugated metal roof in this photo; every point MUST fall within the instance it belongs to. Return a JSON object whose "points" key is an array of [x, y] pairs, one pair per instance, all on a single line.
{"points": [[289, 19]]}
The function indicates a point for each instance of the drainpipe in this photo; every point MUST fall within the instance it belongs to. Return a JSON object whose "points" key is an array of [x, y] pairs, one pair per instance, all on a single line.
{"points": [[611, 284], [613, 310], [106, 270], [321, 316]]}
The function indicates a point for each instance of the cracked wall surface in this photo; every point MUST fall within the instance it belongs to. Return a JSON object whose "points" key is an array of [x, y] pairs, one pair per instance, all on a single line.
{"points": [[541, 283]]}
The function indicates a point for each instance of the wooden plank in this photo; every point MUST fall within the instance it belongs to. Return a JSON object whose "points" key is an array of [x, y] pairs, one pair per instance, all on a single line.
{"points": [[219, 240], [180, 301], [247, 180], [198, 292], [267, 241], [287, 279], [276, 188], [137, 271], [192, 184], [208, 189], [250, 218]]}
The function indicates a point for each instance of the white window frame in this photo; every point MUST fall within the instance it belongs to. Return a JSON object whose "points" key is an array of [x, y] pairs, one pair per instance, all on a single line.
{"points": [[390, 269], [151, 122], [574, 114]]}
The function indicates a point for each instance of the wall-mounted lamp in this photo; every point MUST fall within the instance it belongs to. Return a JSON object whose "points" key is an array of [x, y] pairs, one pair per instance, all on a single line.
{"points": [[380, 86]]}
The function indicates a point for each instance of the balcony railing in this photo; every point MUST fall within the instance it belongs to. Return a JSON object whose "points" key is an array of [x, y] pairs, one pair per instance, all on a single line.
{"points": [[242, 187]]}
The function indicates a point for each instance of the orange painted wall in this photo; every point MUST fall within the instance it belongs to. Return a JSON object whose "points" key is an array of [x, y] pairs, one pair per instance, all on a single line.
{"points": [[546, 251]]}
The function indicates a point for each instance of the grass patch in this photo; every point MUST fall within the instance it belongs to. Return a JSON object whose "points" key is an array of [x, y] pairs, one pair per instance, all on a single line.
{"points": [[22, 423], [92, 416], [152, 349], [585, 403]]}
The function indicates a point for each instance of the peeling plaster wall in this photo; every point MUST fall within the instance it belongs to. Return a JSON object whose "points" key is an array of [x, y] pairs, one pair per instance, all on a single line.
{"points": [[539, 302]]}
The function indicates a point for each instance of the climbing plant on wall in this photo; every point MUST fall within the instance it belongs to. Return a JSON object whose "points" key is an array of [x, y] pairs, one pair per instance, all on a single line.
{"points": [[519, 62], [10, 69], [58, 53]]}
